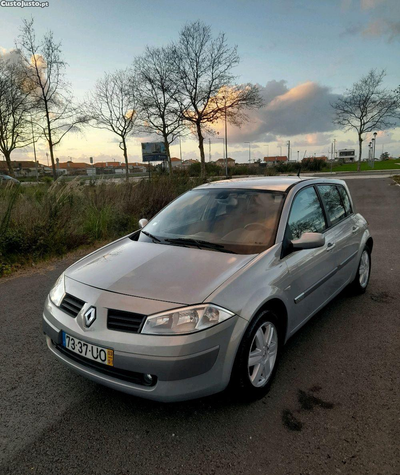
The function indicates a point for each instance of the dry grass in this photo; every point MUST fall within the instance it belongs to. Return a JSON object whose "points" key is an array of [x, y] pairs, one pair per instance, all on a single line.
{"points": [[39, 222]]}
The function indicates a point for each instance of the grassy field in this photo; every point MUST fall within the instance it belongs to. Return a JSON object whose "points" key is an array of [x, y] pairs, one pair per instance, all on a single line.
{"points": [[352, 167], [42, 221]]}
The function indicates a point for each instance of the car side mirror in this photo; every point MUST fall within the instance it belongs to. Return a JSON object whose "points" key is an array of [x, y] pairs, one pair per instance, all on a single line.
{"points": [[143, 222], [308, 241]]}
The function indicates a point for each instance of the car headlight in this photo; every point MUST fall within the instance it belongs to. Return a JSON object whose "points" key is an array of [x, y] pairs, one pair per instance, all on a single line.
{"points": [[185, 320], [58, 291]]}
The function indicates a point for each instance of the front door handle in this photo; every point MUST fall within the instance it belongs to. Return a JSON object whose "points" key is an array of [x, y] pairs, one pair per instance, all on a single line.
{"points": [[355, 229], [330, 246]]}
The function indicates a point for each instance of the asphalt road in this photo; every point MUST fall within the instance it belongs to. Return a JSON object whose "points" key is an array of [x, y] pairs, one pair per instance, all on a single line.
{"points": [[333, 408]]}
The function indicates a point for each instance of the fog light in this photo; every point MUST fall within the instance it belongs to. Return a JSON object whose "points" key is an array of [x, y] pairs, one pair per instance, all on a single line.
{"points": [[148, 379]]}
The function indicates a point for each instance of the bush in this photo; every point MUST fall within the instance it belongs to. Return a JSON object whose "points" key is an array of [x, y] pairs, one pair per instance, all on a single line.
{"points": [[37, 222]]}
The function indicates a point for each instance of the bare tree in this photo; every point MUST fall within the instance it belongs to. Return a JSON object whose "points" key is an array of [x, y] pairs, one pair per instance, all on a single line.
{"points": [[113, 106], [367, 107], [157, 90], [203, 66], [15, 111], [45, 78]]}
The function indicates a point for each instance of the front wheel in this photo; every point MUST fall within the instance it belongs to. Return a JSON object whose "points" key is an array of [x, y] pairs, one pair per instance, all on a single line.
{"points": [[360, 282], [257, 358]]}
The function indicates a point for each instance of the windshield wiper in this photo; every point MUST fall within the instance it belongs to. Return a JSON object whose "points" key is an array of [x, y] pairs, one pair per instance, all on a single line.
{"points": [[199, 243], [155, 239]]}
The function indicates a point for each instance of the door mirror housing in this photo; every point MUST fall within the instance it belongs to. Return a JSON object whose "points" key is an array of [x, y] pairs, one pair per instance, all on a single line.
{"points": [[308, 241], [143, 222]]}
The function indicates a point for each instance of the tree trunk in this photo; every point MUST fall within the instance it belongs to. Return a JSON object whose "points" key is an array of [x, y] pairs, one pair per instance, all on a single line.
{"points": [[168, 155], [7, 156], [201, 148], [360, 141], [125, 149], [50, 141]]}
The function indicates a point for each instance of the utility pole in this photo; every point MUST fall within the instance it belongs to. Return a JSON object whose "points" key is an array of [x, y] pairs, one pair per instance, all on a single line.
{"points": [[249, 151], [374, 142], [334, 149], [280, 148], [288, 150], [226, 142], [298, 158], [209, 150], [180, 149]]}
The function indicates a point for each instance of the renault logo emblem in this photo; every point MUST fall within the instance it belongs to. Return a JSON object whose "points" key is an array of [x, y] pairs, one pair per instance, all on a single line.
{"points": [[90, 316]]}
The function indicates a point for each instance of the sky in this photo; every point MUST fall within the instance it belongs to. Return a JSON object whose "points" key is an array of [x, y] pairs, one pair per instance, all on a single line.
{"points": [[302, 54]]}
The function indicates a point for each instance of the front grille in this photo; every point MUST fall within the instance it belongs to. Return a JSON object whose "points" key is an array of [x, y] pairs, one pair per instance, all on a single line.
{"points": [[121, 321], [123, 374], [71, 305]]}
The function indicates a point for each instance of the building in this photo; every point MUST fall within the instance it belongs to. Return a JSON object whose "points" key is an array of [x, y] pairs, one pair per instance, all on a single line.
{"points": [[72, 168], [176, 162], [23, 168], [346, 155], [271, 161], [221, 162], [187, 163]]}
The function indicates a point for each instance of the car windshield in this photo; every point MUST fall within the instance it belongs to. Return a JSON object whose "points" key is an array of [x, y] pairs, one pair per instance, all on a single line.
{"points": [[235, 220]]}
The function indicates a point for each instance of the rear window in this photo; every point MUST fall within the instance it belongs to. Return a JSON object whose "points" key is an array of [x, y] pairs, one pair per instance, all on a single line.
{"points": [[345, 199], [333, 204]]}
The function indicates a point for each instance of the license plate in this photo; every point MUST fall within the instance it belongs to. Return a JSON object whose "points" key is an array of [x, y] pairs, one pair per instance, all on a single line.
{"points": [[89, 351]]}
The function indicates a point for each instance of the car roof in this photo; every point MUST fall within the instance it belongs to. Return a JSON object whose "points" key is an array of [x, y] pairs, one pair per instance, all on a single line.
{"points": [[272, 183]]}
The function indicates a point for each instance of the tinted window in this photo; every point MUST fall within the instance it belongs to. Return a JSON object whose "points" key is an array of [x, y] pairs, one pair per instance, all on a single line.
{"points": [[333, 203], [306, 215], [345, 199]]}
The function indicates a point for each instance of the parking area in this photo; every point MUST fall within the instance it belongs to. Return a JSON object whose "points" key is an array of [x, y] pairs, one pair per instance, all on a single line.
{"points": [[333, 407]]}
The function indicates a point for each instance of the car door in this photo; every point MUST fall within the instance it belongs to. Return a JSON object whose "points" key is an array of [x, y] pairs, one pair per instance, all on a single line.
{"points": [[310, 270], [341, 237]]}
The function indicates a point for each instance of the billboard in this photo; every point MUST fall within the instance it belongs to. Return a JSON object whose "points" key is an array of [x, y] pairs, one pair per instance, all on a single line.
{"points": [[154, 152]]}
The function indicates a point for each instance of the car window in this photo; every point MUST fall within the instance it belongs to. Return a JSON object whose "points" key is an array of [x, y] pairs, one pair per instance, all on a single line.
{"points": [[333, 204], [306, 214], [238, 220], [345, 199]]}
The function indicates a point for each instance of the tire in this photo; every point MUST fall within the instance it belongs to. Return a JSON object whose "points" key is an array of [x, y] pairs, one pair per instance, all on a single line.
{"points": [[361, 280], [253, 382]]}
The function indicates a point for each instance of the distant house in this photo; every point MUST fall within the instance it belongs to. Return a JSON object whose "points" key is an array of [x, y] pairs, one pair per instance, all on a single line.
{"points": [[221, 162], [72, 168], [23, 168], [270, 161], [108, 164], [176, 162], [187, 163]]}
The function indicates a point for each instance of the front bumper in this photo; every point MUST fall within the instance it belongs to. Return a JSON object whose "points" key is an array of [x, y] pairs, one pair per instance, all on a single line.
{"points": [[184, 366]]}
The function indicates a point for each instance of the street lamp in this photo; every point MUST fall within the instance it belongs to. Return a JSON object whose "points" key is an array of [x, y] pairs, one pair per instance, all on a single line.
{"points": [[374, 139], [249, 151]]}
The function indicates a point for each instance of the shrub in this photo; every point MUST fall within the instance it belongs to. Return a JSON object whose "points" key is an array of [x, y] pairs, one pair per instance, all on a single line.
{"points": [[40, 221]]}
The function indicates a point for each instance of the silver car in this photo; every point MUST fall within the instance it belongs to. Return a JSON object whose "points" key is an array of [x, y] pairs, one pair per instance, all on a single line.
{"points": [[206, 294]]}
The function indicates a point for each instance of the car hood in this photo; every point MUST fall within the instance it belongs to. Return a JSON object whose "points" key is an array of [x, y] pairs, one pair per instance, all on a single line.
{"points": [[181, 275]]}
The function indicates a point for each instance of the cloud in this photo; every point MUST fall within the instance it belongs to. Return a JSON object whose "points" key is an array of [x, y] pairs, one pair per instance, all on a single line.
{"points": [[370, 4], [382, 28], [303, 109]]}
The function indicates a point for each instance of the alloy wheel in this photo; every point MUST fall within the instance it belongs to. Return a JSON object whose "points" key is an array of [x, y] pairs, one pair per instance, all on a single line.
{"points": [[262, 355]]}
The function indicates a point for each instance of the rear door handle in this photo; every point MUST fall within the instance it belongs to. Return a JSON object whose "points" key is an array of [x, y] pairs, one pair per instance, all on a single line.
{"points": [[330, 246], [355, 229]]}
